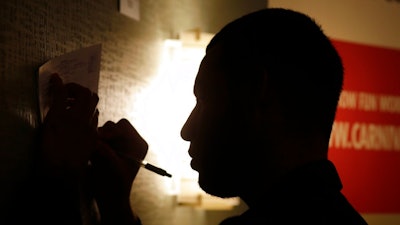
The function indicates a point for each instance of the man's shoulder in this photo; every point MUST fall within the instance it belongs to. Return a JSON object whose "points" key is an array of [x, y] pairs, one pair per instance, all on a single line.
{"points": [[301, 217], [312, 195]]}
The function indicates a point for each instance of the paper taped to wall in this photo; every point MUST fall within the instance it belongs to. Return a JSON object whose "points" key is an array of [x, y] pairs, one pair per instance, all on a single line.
{"points": [[81, 66]]}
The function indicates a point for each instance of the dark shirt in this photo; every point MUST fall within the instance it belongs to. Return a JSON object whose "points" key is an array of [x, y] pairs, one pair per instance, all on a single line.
{"points": [[310, 195]]}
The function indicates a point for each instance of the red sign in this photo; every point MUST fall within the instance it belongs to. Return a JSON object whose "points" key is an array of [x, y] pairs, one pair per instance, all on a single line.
{"points": [[365, 142]]}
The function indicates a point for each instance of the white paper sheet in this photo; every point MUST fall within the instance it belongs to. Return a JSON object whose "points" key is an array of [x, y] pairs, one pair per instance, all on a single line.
{"points": [[81, 66]]}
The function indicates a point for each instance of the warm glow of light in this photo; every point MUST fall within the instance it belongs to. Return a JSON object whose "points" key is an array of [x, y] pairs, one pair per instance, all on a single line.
{"points": [[165, 106]]}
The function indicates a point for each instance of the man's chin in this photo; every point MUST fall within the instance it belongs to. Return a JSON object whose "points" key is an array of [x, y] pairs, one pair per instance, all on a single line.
{"points": [[217, 188]]}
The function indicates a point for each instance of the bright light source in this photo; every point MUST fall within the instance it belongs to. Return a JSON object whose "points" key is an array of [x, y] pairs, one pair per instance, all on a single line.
{"points": [[168, 102]]}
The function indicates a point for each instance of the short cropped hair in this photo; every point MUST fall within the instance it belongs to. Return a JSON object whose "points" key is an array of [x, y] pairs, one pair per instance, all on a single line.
{"points": [[298, 59]]}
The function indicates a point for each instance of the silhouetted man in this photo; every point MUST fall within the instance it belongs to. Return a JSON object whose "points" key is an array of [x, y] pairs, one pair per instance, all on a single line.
{"points": [[267, 91]]}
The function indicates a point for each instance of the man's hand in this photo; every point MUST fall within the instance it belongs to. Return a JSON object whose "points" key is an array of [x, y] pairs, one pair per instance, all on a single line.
{"points": [[113, 174], [70, 128], [68, 139]]}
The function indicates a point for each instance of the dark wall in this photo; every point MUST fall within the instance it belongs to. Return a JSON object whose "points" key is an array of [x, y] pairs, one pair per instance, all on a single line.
{"points": [[34, 31]]}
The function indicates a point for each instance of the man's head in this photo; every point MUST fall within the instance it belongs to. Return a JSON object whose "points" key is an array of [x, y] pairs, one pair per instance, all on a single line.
{"points": [[266, 77], [289, 52]]}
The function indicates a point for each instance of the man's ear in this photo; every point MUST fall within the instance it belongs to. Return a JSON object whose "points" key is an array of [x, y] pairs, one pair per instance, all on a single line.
{"points": [[269, 103], [264, 91]]}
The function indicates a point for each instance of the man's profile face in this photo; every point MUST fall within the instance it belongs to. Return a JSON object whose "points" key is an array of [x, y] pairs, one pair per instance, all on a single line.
{"points": [[219, 129]]}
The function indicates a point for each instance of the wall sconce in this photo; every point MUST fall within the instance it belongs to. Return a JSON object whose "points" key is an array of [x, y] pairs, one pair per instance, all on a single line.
{"points": [[172, 101]]}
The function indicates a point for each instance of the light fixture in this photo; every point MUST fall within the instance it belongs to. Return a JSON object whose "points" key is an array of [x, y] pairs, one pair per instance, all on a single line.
{"points": [[170, 100]]}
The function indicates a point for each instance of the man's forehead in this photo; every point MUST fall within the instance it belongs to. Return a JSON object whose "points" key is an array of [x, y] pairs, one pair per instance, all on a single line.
{"points": [[212, 70], [215, 54]]}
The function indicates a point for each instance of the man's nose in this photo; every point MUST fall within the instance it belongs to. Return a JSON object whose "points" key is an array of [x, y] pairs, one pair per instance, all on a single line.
{"points": [[187, 129]]}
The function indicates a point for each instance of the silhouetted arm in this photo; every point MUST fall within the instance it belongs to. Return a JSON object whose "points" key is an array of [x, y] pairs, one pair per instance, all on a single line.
{"points": [[68, 138], [113, 175]]}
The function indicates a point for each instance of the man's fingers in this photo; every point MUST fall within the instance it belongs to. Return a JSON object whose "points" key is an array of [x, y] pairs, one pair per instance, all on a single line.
{"points": [[56, 89], [57, 93], [124, 138], [107, 130], [103, 154], [136, 140], [82, 101], [95, 120]]}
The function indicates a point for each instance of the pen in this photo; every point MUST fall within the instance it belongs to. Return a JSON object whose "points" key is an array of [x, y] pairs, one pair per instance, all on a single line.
{"points": [[153, 168], [147, 165]]}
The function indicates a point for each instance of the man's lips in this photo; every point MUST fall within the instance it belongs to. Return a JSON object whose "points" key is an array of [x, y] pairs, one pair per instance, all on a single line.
{"points": [[193, 164], [190, 151]]}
